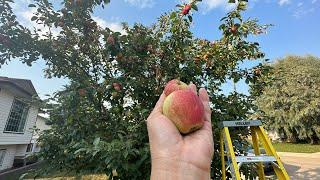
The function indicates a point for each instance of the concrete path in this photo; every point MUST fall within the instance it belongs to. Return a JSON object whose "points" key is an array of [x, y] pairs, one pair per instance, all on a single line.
{"points": [[301, 165]]}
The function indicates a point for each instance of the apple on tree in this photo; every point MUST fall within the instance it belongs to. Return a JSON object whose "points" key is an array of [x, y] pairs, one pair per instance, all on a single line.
{"points": [[82, 92], [110, 40], [117, 86], [234, 29], [186, 9]]}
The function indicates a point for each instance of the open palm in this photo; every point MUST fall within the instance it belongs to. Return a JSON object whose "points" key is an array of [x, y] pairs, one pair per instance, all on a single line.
{"points": [[171, 150]]}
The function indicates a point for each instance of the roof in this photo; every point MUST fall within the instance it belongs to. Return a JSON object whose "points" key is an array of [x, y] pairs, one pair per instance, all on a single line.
{"points": [[22, 84]]}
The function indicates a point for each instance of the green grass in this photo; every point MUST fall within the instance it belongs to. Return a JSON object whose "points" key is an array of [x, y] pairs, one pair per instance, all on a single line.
{"points": [[41, 173], [62, 176], [297, 148]]}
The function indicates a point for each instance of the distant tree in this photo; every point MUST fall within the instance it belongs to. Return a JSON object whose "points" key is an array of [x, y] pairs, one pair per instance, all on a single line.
{"points": [[98, 120], [290, 103]]}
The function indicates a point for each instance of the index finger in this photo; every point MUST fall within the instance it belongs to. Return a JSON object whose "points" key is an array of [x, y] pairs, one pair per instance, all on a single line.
{"points": [[204, 97], [159, 104]]}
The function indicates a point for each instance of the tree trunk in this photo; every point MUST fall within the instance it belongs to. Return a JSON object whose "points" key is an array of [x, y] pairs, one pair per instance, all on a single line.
{"points": [[292, 139], [314, 139]]}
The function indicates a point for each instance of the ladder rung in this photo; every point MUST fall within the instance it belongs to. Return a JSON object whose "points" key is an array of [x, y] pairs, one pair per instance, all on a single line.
{"points": [[240, 123], [249, 159]]}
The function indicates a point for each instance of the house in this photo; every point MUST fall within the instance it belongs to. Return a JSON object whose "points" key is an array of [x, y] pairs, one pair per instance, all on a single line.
{"points": [[18, 115], [41, 125]]}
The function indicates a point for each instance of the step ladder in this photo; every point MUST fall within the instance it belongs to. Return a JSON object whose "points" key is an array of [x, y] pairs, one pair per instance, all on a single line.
{"points": [[234, 162]]}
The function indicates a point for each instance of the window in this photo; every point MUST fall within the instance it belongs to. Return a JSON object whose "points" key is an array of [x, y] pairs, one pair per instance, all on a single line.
{"points": [[17, 117], [2, 153], [29, 147]]}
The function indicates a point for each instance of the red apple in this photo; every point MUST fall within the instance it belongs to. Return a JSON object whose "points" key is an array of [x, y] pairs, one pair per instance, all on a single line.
{"points": [[110, 40], [78, 2], [186, 9], [257, 71], [82, 92], [174, 85], [117, 86], [233, 29], [185, 109]]}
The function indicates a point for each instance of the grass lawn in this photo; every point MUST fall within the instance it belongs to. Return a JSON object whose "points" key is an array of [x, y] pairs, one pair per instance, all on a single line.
{"points": [[84, 177], [67, 176], [297, 148]]}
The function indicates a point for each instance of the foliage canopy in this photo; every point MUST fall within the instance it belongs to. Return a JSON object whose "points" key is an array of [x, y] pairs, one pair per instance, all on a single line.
{"points": [[98, 120], [290, 104]]}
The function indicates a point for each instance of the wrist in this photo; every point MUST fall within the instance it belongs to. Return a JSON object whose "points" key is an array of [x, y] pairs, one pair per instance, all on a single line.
{"points": [[176, 169]]}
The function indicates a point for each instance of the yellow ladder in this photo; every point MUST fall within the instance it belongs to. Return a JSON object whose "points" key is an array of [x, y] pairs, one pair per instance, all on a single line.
{"points": [[235, 162]]}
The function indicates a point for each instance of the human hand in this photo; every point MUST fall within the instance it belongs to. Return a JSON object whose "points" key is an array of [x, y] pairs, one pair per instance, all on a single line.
{"points": [[175, 156]]}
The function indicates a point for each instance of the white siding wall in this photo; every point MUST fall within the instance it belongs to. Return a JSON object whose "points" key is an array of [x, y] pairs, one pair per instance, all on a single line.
{"points": [[6, 99], [41, 125], [21, 149], [8, 157]]}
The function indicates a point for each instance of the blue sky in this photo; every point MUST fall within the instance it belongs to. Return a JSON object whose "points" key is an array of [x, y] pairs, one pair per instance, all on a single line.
{"points": [[295, 31]]}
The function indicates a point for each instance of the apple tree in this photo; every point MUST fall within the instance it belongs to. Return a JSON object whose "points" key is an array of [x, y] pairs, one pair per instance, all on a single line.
{"points": [[98, 119]]}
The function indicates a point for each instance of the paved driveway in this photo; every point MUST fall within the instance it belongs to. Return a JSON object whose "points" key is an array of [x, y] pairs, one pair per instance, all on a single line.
{"points": [[302, 165]]}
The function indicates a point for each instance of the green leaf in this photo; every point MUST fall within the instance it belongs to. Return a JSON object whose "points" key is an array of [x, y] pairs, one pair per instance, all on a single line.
{"points": [[190, 18], [32, 5], [79, 150], [173, 15], [194, 6], [223, 18], [34, 18], [231, 1], [96, 141], [107, 160], [222, 27], [126, 153], [144, 111], [95, 152]]}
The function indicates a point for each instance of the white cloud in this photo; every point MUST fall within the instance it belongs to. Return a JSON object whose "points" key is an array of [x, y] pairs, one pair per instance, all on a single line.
{"points": [[211, 4], [304, 8], [24, 15], [284, 2], [25, 20], [114, 26], [141, 3], [300, 12], [208, 5]]}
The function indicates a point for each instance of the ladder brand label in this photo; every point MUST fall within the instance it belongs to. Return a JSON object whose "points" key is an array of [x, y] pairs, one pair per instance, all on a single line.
{"points": [[242, 123]]}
